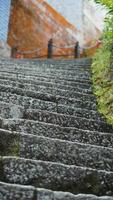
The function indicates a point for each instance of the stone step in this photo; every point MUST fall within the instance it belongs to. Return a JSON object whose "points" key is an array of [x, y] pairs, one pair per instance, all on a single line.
{"points": [[67, 120], [55, 150], [57, 132], [11, 111], [87, 101], [46, 69], [17, 192], [63, 120], [14, 111], [46, 89], [56, 176], [45, 77], [31, 103], [51, 63], [44, 86], [59, 83]]}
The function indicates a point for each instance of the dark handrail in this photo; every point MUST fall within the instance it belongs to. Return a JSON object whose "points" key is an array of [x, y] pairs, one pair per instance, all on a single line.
{"points": [[50, 54]]}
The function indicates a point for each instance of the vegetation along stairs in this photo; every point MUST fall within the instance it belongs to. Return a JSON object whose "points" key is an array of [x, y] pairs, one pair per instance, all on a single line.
{"points": [[54, 145]]}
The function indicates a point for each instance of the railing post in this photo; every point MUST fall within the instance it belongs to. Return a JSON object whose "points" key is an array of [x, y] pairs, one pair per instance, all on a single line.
{"points": [[50, 48], [14, 51], [76, 50]]}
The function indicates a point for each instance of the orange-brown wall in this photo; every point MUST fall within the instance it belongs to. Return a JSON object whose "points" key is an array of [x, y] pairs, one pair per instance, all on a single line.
{"points": [[33, 25]]}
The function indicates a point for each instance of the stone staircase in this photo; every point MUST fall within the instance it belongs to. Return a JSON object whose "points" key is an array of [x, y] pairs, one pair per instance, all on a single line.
{"points": [[54, 145]]}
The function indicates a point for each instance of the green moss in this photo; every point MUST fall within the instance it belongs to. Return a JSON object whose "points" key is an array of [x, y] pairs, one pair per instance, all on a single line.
{"points": [[102, 82], [9, 144], [2, 177], [14, 148]]}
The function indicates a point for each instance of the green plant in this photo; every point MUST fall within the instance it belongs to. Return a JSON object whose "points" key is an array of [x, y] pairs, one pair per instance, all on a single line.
{"points": [[101, 70]]}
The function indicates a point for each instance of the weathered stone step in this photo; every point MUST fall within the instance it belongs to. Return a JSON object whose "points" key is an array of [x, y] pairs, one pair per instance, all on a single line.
{"points": [[50, 90], [44, 85], [56, 176], [11, 111], [21, 192], [17, 192], [14, 111], [31, 103], [55, 150], [57, 132], [51, 63], [67, 120], [45, 77], [60, 83], [87, 101], [45, 69]]}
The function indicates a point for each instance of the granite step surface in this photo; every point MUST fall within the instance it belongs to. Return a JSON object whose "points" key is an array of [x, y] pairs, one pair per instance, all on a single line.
{"points": [[51, 63], [31, 103], [55, 150], [45, 87], [45, 70], [67, 120], [46, 77], [66, 85], [63, 120], [57, 132], [87, 101], [54, 145], [20, 192], [56, 176], [50, 82]]}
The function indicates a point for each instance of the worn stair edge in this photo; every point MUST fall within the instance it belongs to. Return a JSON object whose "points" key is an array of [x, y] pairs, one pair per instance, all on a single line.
{"points": [[73, 76], [46, 78], [48, 73], [49, 63], [56, 176], [63, 120], [10, 100], [67, 120], [21, 192], [51, 90], [17, 192], [50, 87], [86, 100], [60, 83], [55, 150], [45, 69], [57, 132]]}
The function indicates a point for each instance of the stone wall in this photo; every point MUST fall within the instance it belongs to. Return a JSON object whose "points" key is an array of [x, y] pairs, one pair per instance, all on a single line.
{"points": [[4, 22], [33, 23]]}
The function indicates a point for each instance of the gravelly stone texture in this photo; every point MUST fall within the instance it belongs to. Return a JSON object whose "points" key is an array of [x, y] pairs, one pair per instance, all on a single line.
{"points": [[45, 88], [52, 97], [47, 149], [55, 131], [52, 138], [67, 120], [57, 176], [32, 103], [18, 192], [60, 83]]}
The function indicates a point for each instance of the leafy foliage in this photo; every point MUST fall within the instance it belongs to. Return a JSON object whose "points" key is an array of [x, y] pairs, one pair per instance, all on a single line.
{"points": [[102, 66]]}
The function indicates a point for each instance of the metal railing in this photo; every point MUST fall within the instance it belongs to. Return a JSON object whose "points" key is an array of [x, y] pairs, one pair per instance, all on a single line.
{"points": [[50, 47], [73, 51]]}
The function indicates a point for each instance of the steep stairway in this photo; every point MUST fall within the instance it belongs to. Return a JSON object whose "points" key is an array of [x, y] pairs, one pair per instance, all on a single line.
{"points": [[54, 145]]}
